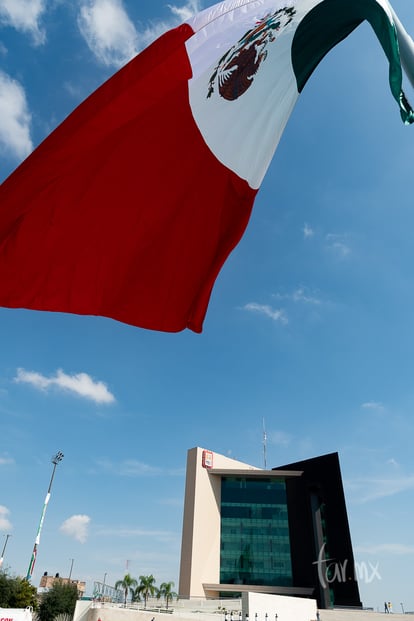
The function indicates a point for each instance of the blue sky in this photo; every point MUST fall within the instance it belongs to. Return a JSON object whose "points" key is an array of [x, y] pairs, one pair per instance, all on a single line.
{"points": [[310, 325]]}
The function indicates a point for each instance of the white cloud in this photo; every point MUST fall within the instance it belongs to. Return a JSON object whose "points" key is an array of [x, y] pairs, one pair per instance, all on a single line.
{"points": [[108, 31], [111, 35], [14, 118], [371, 489], [135, 468], [268, 311], [307, 231], [179, 14], [393, 462], [76, 527], [171, 502], [24, 15], [5, 461], [338, 244], [5, 523], [280, 438], [186, 11], [300, 295], [80, 384], [128, 468], [134, 532], [340, 248], [377, 406], [389, 548]]}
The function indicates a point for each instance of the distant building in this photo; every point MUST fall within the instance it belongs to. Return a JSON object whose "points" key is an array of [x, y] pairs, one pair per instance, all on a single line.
{"points": [[46, 582], [282, 531]]}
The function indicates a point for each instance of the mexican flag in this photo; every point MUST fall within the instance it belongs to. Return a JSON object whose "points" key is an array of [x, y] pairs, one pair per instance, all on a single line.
{"points": [[131, 206]]}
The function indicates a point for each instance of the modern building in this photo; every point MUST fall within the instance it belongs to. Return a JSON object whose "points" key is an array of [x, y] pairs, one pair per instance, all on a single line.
{"points": [[283, 531]]}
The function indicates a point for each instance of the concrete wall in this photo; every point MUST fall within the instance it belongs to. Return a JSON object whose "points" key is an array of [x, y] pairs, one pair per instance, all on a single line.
{"points": [[360, 615], [16, 614], [286, 608], [82, 610], [119, 614]]}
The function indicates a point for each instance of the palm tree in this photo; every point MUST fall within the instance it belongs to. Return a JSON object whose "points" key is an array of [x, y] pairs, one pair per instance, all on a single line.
{"points": [[146, 587], [166, 591], [127, 584]]}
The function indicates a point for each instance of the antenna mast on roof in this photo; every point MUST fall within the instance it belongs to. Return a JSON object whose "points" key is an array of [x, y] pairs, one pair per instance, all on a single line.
{"points": [[264, 446]]}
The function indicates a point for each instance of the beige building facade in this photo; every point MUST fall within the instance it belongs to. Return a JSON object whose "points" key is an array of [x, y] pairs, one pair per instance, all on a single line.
{"points": [[202, 526]]}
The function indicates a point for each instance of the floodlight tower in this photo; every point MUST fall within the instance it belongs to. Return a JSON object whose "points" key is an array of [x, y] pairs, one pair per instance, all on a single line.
{"points": [[4, 550], [56, 459]]}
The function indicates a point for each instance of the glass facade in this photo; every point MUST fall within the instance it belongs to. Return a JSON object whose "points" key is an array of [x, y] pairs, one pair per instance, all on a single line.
{"points": [[329, 568], [255, 545]]}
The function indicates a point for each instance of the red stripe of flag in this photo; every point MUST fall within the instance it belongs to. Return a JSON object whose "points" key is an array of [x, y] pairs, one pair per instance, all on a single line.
{"points": [[123, 211]]}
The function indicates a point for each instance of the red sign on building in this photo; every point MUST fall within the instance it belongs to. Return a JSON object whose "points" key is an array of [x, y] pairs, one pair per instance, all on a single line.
{"points": [[207, 460]]}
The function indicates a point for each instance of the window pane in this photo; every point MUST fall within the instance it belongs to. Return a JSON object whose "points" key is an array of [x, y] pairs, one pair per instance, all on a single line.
{"points": [[255, 546]]}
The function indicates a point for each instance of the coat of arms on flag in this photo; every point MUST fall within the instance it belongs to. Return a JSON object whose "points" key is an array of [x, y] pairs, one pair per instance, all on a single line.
{"points": [[235, 71]]}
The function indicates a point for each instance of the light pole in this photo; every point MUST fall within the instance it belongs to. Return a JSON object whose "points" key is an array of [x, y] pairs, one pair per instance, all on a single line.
{"points": [[56, 459], [71, 567], [4, 549]]}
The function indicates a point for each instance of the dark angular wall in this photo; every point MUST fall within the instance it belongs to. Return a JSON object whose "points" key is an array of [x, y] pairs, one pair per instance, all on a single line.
{"points": [[321, 548]]}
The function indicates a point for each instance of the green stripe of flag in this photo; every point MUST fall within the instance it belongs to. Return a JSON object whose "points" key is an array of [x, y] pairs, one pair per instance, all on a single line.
{"points": [[329, 23]]}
